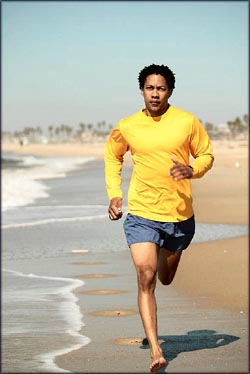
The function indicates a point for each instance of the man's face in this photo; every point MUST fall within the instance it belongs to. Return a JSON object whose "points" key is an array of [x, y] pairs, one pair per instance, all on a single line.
{"points": [[156, 94]]}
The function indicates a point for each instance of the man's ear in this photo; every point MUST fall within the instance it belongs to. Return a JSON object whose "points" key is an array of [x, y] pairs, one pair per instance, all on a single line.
{"points": [[170, 92], [142, 92]]}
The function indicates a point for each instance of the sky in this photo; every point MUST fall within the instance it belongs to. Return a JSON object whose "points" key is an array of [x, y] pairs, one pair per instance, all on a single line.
{"points": [[72, 62]]}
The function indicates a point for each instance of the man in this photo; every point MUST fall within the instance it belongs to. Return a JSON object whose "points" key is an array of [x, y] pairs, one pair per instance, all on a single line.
{"points": [[160, 221]]}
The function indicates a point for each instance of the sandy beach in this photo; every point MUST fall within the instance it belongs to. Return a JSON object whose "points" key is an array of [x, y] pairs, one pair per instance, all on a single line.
{"points": [[208, 298]]}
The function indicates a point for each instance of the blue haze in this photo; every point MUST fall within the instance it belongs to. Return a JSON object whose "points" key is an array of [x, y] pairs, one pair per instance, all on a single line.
{"points": [[70, 62]]}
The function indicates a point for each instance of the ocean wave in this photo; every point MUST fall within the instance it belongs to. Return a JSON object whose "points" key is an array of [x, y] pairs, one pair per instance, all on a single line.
{"points": [[54, 220], [10, 161], [23, 185], [44, 214], [68, 309]]}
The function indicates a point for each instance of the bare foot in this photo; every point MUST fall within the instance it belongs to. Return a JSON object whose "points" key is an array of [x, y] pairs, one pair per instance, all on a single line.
{"points": [[157, 364]]}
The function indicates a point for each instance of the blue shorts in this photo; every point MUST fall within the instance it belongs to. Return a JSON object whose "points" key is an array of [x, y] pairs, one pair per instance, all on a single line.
{"points": [[174, 236]]}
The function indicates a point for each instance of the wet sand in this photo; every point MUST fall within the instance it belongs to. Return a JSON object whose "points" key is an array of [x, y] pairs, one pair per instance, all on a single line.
{"points": [[203, 315]]}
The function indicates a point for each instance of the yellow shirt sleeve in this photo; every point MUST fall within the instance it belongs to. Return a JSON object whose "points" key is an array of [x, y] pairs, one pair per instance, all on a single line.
{"points": [[201, 150], [115, 148]]}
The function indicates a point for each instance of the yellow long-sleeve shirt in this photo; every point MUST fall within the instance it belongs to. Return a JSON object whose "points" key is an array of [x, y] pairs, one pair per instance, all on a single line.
{"points": [[153, 141]]}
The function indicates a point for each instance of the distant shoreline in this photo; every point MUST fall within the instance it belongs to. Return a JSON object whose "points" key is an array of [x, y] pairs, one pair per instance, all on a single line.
{"points": [[96, 149], [57, 150]]}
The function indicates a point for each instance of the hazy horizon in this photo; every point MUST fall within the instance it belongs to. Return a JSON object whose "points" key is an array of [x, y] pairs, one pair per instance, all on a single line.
{"points": [[71, 62]]}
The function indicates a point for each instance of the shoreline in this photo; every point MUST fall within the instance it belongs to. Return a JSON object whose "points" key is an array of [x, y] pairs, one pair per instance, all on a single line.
{"points": [[205, 291], [225, 182], [71, 149], [57, 150]]}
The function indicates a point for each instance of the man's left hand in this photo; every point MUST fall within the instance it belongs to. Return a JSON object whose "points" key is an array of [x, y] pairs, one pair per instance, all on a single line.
{"points": [[180, 171]]}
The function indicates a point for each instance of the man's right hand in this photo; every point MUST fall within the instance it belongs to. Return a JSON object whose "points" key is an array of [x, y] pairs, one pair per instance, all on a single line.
{"points": [[115, 208]]}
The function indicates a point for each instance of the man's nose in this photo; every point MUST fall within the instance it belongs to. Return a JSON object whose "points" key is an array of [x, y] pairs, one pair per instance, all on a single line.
{"points": [[155, 93]]}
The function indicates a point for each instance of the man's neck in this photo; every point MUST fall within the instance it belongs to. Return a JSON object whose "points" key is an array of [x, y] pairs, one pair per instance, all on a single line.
{"points": [[148, 114]]}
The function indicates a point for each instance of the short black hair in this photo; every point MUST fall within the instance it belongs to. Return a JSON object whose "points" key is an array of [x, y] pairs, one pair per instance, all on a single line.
{"points": [[157, 69]]}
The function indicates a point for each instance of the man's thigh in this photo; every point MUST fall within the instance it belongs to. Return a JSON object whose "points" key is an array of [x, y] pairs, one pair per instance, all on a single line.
{"points": [[168, 262], [145, 254]]}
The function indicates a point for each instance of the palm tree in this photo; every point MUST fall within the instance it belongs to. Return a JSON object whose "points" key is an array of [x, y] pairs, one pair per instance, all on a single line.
{"points": [[69, 131], [82, 126], [209, 126], [90, 126], [57, 132], [236, 127], [246, 120], [50, 129]]}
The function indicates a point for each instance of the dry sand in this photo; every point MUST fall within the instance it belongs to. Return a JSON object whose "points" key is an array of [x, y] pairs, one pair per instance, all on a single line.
{"points": [[214, 274], [221, 196], [58, 150], [218, 270]]}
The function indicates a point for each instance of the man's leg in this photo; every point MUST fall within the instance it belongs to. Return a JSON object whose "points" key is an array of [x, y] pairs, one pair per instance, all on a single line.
{"points": [[145, 257], [167, 265]]}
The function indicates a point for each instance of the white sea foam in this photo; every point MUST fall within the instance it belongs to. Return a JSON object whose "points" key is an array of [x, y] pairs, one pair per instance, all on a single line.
{"points": [[54, 220], [70, 313], [22, 186], [36, 215]]}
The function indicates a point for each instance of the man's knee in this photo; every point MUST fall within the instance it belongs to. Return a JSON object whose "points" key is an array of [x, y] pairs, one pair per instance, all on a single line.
{"points": [[146, 278], [167, 266], [166, 280]]}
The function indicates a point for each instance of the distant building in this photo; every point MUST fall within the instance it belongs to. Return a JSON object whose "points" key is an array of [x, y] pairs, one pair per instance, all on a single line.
{"points": [[6, 137], [223, 130], [223, 127]]}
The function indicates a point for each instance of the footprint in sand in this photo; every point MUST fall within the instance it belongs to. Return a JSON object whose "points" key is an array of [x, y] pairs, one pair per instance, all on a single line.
{"points": [[93, 276], [101, 292], [129, 341], [89, 263], [114, 313]]}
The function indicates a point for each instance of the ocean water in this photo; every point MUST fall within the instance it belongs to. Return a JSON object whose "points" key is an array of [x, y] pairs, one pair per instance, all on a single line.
{"points": [[36, 309], [22, 177], [38, 302], [50, 208]]}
